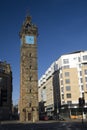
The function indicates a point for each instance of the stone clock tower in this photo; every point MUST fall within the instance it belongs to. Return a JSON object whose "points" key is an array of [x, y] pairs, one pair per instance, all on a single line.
{"points": [[28, 72]]}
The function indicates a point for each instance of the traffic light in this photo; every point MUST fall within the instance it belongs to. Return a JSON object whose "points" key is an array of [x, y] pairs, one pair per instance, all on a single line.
{"points": [[81, 102]]}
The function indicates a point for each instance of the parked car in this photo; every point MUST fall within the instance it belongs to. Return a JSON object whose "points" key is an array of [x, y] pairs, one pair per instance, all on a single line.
{"points": [[58, 117], [61, 118], [44, 117]]}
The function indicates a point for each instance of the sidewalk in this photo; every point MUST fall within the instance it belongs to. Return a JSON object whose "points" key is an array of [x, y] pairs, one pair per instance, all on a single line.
{"points": [[75, 120], [42, 121]]}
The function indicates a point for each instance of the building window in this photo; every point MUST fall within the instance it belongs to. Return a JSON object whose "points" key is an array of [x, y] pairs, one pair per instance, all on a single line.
{"points": [[30, 54], [29, 104], [69, 102], [62, 89], [79, 65], [30, 90], [30, 66], [65, 61], [82, 94], [85, 57], [82, 88], [67, 81], [85, 64], [3, 97], [61, 82], [63, 102], [60, 75], [81, 80], [85, 79], [68, 88], [66, 74], [85, 71], [68, 95], [79, 59], [43, 94], [3, 81], [0, 79], [30, 78], [62, 96], [80, 73], [86, 86], [66, 67]]}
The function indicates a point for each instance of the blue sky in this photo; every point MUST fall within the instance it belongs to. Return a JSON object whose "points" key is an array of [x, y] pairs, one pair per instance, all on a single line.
{"points": [[62, 27]]}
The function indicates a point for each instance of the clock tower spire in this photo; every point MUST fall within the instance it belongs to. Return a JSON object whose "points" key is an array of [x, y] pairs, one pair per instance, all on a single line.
{"points": [[28, 72]]}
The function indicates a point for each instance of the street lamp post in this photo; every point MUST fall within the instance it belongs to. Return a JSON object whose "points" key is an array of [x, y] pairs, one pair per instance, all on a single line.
{"points": [[69, 107], [85, 98], [82, 104]]}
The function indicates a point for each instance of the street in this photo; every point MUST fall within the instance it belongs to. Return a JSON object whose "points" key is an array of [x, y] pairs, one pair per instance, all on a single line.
{"points": [[44, 126]]}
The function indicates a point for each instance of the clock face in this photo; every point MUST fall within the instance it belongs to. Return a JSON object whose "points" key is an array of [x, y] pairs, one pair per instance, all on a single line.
{"points": [[29, 39]]}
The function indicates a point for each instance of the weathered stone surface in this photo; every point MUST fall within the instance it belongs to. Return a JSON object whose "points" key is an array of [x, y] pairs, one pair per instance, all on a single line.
{"points": [[28, 75]]}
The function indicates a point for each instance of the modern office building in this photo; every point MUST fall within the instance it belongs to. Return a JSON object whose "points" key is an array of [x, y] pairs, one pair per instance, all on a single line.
{"points": [[28, 72], [48, 90], [5, 91], [71, 84]]}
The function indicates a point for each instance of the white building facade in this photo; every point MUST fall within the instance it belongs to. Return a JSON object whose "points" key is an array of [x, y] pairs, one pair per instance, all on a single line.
{"points": [[64, 83]]}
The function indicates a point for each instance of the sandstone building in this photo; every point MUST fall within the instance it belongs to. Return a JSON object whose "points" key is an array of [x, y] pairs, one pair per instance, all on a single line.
{"points": [[5, 91], [28, 72]]}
